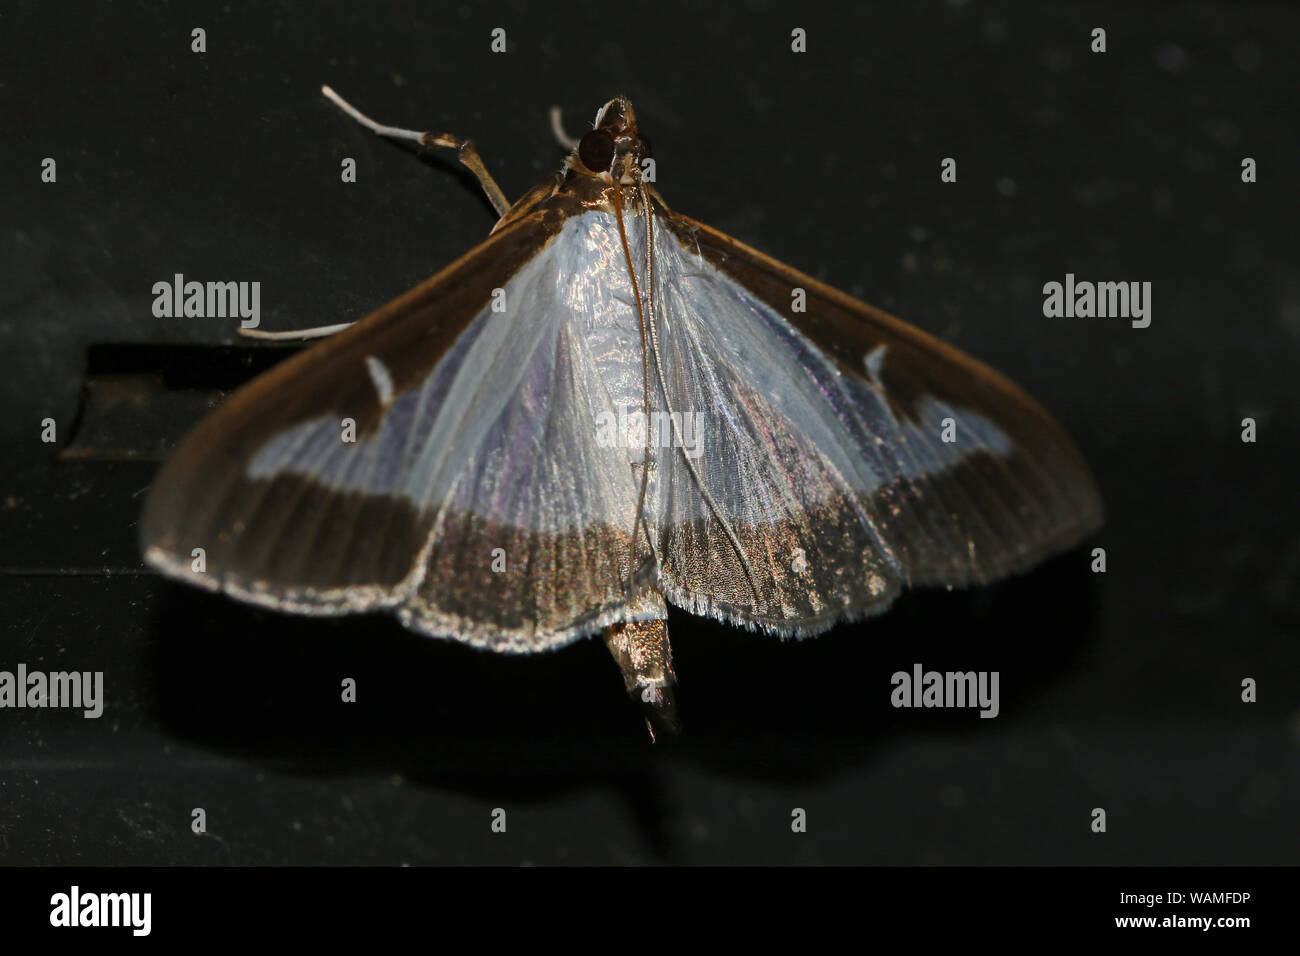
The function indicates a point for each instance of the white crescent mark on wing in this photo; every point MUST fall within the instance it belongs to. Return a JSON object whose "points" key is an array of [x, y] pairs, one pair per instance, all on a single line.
{"points": [[381, 379]]}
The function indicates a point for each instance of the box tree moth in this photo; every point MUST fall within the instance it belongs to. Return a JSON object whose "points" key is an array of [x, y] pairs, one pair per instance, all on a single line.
{"points": [[605, 408]]}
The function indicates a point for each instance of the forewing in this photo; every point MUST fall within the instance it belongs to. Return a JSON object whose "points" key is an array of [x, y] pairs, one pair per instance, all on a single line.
{"points": [[826, 451], [473, 499]]}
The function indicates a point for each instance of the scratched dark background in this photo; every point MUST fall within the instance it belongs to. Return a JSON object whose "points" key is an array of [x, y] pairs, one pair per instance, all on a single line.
{"points": [[1119, 691]]}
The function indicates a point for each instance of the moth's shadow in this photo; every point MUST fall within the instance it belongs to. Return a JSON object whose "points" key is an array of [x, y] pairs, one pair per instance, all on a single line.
{"points": [[269, 688]]}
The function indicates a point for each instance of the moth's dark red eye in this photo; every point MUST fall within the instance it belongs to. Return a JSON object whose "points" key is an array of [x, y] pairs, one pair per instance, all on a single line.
{"points": [[597, 150], [646, 151]]}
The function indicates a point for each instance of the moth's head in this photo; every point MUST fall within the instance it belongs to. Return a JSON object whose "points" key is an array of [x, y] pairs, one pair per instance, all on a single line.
{"points": [[614, 148]]}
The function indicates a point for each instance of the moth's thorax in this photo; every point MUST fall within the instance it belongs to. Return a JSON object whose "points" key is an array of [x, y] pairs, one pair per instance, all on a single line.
{"points": [[591, 192], [572, 193]]}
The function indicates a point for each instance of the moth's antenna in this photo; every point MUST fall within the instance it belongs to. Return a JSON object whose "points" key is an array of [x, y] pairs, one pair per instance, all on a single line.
{"points": [[645, 369], [639, 520], [567, 142], [465, 150]]}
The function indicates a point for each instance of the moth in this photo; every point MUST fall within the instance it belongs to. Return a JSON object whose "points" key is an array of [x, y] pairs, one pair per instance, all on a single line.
{"points": [[605, 408]]}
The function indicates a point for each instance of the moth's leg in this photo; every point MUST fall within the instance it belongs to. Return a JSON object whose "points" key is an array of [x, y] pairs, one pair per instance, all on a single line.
{"points": [[294, 335], [566, 141], [465, 150], [645, 657]]}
